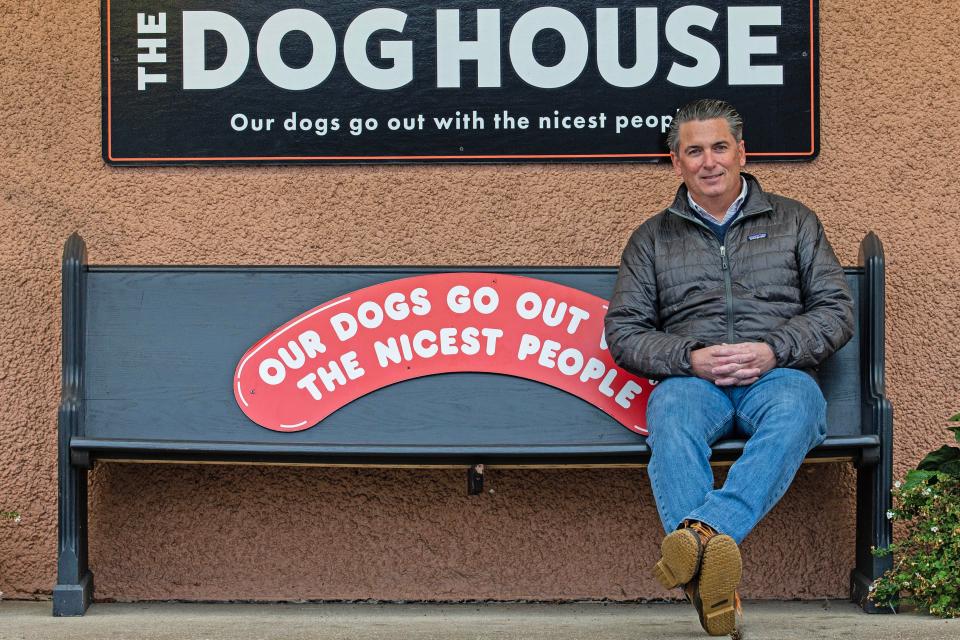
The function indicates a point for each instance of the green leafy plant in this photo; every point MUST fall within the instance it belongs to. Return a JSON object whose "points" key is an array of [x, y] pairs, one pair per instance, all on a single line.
{"points": [[926, 570]]}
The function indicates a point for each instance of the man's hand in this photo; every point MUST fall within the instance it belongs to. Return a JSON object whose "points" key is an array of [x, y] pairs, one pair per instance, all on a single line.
{"points": [[733, 364]]}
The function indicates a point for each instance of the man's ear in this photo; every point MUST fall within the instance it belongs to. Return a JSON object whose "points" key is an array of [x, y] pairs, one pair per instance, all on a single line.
{"points": [[676, 164], [743, 153]]}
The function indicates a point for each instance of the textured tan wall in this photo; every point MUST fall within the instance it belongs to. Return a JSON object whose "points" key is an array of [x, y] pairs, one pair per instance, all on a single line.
{"points": [[890, 137]]}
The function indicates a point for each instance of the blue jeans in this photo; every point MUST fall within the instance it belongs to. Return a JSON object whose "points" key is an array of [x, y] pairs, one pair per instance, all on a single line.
{"points": [[782, 415]]}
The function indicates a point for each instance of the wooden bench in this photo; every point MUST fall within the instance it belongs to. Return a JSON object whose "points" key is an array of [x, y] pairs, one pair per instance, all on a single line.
{"points": [[148, 353]]}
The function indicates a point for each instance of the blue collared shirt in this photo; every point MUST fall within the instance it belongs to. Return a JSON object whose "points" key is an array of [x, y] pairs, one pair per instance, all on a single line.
{"points": [[731, 212], [720, 228]]}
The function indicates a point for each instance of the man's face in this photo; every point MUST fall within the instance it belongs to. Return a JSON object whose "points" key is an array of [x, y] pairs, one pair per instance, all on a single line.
{"points": [[709, 161]]}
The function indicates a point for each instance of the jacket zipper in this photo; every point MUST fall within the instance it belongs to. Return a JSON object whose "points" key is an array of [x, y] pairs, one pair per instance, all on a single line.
{"points": [[728, 290], [724, 267]]}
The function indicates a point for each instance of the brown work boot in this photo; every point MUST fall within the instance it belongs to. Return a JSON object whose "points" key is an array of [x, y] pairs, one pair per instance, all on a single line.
{"points": [[681, 552], [713, 591]]}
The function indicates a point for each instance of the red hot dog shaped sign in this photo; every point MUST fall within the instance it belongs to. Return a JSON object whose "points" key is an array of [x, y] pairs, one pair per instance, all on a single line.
{"points": [[439, 323]]}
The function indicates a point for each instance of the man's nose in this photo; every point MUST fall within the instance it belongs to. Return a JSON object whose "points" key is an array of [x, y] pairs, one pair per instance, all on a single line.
{"points": [[708, 159]]}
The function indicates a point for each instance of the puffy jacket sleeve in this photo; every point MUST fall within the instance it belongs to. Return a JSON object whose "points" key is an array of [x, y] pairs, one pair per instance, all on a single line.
{"points": [[826, 323], [632, 325]]}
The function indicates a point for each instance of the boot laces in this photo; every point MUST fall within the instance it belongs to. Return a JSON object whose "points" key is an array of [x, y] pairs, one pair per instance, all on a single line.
{"points": [[703, 530]]}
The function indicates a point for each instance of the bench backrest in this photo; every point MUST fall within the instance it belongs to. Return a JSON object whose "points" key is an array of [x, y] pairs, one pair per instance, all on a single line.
{"points": [[161, 344]]}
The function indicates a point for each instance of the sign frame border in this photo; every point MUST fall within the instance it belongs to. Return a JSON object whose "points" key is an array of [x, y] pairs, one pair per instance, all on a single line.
{"points": [[110, 159]]}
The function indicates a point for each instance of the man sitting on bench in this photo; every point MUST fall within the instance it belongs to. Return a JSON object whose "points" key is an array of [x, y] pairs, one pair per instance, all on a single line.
{"points": [[731, 297]]}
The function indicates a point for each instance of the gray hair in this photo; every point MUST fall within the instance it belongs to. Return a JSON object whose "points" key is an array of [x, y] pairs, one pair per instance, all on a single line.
{"points": [[704, 109]]}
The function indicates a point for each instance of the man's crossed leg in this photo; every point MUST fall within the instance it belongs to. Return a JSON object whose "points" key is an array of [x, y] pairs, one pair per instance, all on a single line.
{"points": [[783, 416]]}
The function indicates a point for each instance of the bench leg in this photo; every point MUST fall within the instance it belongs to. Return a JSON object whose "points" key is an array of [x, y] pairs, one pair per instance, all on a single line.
{"points": [[475, 480], [874, 530], [74, 589]]}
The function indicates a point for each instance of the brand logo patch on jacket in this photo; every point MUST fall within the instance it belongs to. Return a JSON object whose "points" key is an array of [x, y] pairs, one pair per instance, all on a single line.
{"points": [[756, 236]]}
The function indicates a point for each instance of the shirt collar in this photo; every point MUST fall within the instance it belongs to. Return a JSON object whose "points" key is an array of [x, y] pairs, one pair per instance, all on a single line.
{"points": [[732, 212]]}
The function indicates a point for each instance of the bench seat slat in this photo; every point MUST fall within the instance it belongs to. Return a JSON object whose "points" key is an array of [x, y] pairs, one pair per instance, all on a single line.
{"points": [[838, 446]]}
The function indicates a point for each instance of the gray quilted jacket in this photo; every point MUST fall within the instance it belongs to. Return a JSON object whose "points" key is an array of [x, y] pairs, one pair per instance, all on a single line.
{"points": [[774, 279]]}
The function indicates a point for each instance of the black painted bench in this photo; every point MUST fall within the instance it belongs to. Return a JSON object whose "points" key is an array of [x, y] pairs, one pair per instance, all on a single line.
{"points": [[148, 356]]}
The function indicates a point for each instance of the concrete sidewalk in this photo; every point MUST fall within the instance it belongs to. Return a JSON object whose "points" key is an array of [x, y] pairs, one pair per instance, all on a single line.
{"points": [[582, 621]]}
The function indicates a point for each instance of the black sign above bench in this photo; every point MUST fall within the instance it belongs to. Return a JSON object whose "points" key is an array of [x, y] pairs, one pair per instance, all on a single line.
{"points": [[220, 81]]}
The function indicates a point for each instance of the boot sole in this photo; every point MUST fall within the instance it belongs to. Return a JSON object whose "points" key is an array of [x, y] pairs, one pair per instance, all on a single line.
{"points": [[715, 593], [681, 553]]}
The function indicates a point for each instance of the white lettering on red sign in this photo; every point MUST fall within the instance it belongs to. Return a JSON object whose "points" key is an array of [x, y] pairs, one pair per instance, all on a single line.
{"points": [[395, 331]]}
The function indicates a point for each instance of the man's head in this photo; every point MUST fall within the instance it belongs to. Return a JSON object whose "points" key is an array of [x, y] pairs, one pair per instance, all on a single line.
{"points": [[707, 151]]}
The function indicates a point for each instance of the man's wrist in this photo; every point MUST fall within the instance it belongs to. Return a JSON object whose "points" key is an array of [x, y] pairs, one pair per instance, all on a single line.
{"points": [[686, 362], [777, 360]]}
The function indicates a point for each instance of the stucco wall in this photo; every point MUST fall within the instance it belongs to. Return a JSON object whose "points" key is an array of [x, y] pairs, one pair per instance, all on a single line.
{"points": [[890, 133]]}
